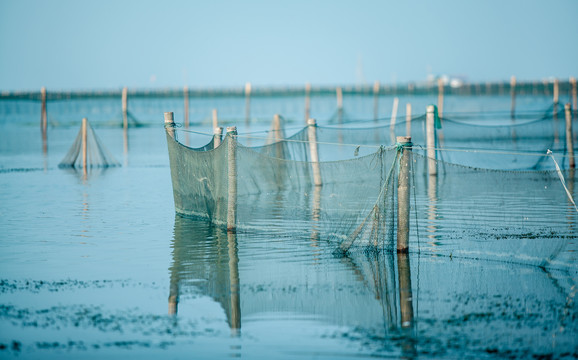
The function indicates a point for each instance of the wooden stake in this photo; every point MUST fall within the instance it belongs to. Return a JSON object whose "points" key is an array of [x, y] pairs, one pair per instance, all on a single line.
{"points": [[170, 124], [574, 94], [43, 114], [569, 135], [376, 100], [247, 102], [307, 101], [44, 120], [312, 132], [440, 97], [125, 108], [430, 141], [277, 128], [393, 119], [339, 98], [278, 136], [232, 179], [215, 119], [556, 91], [403, 194], [555, 99], [217, 136], [408, 119], [186, 96], [84, 145], [513, 95]]}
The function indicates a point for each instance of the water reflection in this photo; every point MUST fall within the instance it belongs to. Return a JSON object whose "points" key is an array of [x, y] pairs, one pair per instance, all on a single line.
{"points": [[206, 257], [362, 290]]}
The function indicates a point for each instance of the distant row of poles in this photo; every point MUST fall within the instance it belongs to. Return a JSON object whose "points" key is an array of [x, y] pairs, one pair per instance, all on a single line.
{"points": [[545, 88], [515, 88]]}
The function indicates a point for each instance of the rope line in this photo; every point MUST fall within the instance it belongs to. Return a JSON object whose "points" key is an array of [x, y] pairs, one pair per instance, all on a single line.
{"points": [[549, 153]]}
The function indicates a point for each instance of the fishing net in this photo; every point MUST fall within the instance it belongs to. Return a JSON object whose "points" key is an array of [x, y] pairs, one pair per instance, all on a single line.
{"points": [[510, 198], [275, 185], [524, 217], [96, 154]]}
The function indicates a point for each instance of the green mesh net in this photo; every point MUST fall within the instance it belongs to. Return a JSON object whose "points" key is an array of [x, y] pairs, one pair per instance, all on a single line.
{"points": [[274, 184], [493, 184]]}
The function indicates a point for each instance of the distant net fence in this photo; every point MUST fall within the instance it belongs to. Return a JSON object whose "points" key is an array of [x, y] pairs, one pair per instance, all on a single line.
{"points": [[254, 105]]}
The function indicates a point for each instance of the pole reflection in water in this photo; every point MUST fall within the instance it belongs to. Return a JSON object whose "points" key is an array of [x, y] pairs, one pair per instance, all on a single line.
{"points": [[288, 281], [432, 211], [205, 257], [406, 304]]}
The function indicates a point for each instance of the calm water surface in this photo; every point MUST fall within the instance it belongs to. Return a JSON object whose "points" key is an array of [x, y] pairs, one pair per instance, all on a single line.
{"points": [[100, 265]]}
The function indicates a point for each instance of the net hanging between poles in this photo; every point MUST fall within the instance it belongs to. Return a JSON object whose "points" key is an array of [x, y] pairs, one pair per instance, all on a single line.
{"points": [[275, 188], [86, 142]]}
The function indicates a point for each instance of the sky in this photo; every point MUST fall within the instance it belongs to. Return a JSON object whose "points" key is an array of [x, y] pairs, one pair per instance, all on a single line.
{"points": [[108, 44]]}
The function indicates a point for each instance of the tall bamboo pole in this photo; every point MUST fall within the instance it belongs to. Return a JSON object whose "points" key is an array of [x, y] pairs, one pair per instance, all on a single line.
{"points": [[307, 101], [232, 179], [186, 98], [569, 135], [513, 96], [314, 152], [403, 194], [430, 141]]}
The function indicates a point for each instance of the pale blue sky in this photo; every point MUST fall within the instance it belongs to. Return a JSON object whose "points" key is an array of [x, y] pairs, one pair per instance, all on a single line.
{"points": [[73, 44]]}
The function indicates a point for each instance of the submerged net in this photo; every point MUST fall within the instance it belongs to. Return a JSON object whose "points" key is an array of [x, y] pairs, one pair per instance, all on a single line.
{"points": [[87, 142]]}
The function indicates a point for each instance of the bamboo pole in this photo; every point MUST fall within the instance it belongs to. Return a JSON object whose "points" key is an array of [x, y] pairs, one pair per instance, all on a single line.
{"points": [[215, 119], [307, 101], [408, 119], [574, 94], [44, 120], [314, 152], [232, 179], [513, 95], [431, 141], [393, 119], [186, 96], [217, 136], [440, 97], [569, 135], [170, 124], [278, 136], [84, 145], [403, 194], [339, 93], [376, 100], [339, 106], [277, 128], [125, 108], [247, 102], [556, 91], [555, 99], [43, 114]]}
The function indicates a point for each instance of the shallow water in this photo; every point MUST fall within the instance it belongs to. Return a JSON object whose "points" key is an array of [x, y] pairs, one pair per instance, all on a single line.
{"points": [[100, 265]]}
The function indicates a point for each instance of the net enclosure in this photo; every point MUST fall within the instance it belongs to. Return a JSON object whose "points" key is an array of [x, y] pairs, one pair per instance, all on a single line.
{"points": [[347, 201], [495, 192]]}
